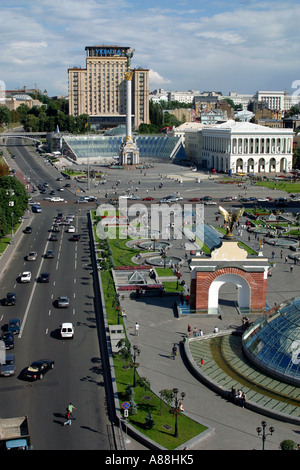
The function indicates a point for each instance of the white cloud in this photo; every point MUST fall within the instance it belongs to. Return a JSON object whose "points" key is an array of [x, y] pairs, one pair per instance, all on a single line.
{"points": [[156, 80]]}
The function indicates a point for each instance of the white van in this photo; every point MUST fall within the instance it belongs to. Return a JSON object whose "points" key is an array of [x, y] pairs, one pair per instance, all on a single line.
{"points": [[67, 330]]}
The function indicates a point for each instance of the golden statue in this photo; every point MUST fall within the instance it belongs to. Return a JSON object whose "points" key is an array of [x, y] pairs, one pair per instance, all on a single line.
{"points": [[230, 218]]}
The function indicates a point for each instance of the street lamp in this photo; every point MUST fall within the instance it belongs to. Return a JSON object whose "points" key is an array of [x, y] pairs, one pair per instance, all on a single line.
{"points": [[136, 352], [176, 409], [263, 430]]}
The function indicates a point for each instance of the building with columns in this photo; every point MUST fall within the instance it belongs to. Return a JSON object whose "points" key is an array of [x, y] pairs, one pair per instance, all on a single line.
{"points": [[244, 147]]}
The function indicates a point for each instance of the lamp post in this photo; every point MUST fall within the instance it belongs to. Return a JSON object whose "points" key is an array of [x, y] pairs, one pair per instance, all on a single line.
{"points": [[136, 352], [176, 408], [262, 430]]}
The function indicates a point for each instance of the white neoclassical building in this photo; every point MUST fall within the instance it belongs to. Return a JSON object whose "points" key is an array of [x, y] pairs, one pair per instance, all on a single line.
{"points": [[236, 147]]}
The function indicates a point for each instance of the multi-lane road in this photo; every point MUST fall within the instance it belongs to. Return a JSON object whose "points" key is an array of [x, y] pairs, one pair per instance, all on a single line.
{"points": [[77, 376]]}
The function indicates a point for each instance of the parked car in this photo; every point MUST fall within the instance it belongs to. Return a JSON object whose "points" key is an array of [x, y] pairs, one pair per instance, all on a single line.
{"points": [[32, 256], [14, 326], [56, 199], [28, 230], [38, 369], [67, 330], [8, 340], [9, 367], [25, 276], [194, 199], [148, 198], [63, 302], [10, 299]]}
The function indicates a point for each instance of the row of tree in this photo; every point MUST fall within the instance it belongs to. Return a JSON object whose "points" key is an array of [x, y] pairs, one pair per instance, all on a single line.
{"points": [[14, 202]]}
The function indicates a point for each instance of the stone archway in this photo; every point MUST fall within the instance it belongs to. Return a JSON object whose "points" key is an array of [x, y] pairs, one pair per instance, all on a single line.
{"points": [[243, 291]]}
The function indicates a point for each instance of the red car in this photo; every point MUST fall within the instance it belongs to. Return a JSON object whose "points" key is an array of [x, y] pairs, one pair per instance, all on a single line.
{"points": [[148, 198], [195, 199]]}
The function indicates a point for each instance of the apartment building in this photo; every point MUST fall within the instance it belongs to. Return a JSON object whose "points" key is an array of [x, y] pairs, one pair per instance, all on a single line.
{"points": [[99, 89]]}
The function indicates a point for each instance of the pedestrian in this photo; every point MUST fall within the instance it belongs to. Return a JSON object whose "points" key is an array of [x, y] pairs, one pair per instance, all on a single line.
{"points": [[189, 329], [281, 254], [195, 332], [202, 362], [286, 259], [68, 416], [137, 327], [243, 400], [291, 268], [70, 409], [200, 333], [174, 351]]}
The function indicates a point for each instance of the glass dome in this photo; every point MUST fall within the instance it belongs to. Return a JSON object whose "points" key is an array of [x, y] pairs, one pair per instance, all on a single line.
{"points": [[273, 342]]}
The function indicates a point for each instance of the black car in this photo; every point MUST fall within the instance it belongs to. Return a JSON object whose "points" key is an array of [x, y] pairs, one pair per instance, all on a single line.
{"points": [[75, 238], [49, 254], [10, 299], [55, 228], [45, 277], [8, 339], [28, 230], [37, 369], [53, 238]]}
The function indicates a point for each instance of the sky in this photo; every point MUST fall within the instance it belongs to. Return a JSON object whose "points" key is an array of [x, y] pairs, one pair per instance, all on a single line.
{"points": [[204, 45]]}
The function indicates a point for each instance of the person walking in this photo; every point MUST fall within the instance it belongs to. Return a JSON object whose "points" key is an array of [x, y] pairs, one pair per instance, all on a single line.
{"points": [[189, 329], [68, 416], [136, 327], [174, 351], [70, 409]]}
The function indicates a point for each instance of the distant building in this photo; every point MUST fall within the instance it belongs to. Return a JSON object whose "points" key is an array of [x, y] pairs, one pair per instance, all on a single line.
{"points": [[243, 147], [13, 101], [99, 89]]}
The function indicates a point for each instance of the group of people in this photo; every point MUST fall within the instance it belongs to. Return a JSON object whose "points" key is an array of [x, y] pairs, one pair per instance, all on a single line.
{"points": [[195, 331], [238, 397]]}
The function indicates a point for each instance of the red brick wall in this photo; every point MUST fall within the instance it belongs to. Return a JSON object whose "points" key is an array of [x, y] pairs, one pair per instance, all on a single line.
{"points": [[200, 286]]}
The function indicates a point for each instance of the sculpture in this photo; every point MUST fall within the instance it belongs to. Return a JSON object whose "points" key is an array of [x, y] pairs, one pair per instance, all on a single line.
{"points": [[129, 55], [230, 219]]}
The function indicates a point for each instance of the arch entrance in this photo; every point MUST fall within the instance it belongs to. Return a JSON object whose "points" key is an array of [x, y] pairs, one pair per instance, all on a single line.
{"points": [[228, 265], [227, 291]]}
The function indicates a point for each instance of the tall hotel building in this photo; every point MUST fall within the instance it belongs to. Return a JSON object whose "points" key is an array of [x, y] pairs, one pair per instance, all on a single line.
{"points": [[99, 90]]}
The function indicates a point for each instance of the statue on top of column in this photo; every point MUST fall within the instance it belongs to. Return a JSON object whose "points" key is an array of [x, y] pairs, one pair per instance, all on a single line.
{"points": [[129, 55]]}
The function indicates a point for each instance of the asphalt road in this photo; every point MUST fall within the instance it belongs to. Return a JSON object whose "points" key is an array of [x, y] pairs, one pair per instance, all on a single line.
{"points": [[77, 375]]}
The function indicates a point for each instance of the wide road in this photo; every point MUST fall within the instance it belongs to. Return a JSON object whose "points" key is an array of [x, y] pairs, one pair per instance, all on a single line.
{"points": [[77, 375]]}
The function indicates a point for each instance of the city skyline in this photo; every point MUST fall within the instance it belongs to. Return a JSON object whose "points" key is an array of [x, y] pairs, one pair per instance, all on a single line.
{"points": [[240, 45]]}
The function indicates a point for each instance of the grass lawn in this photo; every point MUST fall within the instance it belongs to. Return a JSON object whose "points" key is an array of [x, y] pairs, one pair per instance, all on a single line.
{"points": [[3, 243], [164, 422], [282, 185]]}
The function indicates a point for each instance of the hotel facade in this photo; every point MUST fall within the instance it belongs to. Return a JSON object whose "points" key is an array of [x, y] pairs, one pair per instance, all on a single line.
{"points": [[99, 89], [243, 147]]}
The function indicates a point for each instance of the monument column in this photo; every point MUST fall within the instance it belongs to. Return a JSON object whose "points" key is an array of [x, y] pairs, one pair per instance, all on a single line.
{"points": [[128, 152]]}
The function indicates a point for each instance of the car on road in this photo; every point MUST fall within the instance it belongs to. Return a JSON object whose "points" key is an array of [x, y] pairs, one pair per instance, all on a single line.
{"points": [[206, 198], [44, 277], [148, 198], [55, 228], [63, 301], [75, 238], [53, 237], [210, 203], [49, 254], [71, 229], [56, 199], [32, 256], [226, 199], [67, 330], [38, 369], [194, 199], [10, 299], [25, 276], [8, 340], [81, 201], [27, 230], [14, 326], [52, 192], [9, 367], [36, 209]]}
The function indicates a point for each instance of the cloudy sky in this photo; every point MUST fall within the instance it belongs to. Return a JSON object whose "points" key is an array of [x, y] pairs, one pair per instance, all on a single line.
{"points": [[205, 45]]}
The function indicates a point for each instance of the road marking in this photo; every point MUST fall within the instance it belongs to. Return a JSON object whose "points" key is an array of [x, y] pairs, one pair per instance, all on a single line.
{"points": [[49, 313], [31, 295]]}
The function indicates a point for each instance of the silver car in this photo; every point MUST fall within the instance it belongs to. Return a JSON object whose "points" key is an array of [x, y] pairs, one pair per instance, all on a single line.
{"points": [[63, 301], [9, 367], [31, 256]]}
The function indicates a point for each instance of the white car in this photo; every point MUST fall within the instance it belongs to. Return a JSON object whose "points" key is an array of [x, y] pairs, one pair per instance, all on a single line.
{"points": [[207, 203], [71, 229], [67, 330], [56, 199], [25, 276]]}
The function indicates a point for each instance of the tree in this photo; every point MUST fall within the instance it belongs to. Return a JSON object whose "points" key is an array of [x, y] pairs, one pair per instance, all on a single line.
{"points": [[149, 423], [288, 444]]}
